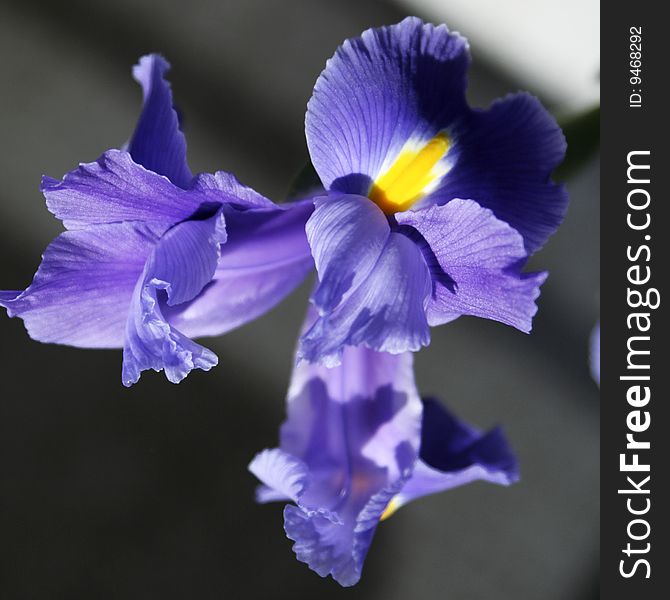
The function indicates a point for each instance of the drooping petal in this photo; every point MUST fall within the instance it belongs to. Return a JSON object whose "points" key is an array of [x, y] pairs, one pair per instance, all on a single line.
{"points": [[318, 393], [158, 143], [115, 188], [181, 264], [387, 88], [475, 262], [503, 159], [347, 235], [453, 454], [352, 435], [373, 283], [265, 258], [81, 292]]}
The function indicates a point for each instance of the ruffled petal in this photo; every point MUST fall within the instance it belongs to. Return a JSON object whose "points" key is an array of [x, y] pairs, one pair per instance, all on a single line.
{"points": [[181, 264], [81, 292], [283, 475], [158, 143], [503, 159], [453, 454], [355, 429], [115, 188], [387, 88], [475, 262], [373, 283], [265, 258]]}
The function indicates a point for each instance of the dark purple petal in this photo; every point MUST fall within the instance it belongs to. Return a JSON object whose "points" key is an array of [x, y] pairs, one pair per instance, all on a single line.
{"points": [[389, 86], [115, 188], [504, 158], [449, 444], [475, 262], [8, 296], [453, 454], [373, 283], [181, 264], [158, 143], [265, 258], [81, 292]]}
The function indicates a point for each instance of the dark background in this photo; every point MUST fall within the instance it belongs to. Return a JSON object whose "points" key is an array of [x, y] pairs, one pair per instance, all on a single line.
{"points": [[143, 493]]}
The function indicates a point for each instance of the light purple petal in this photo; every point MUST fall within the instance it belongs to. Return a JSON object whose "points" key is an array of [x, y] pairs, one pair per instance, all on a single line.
{"points": [[265, 258], [347, 235], [158, 143], [187, 256], [476, 263], [375, 283], [81, 292], [380, 90], [355, 429], [317, 394], [284, 476], [183, 261], [503, 159], [115, 188], [224, 188]]}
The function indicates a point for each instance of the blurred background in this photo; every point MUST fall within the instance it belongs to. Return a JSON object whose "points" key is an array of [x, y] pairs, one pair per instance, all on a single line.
{"points": [[143, 493]]}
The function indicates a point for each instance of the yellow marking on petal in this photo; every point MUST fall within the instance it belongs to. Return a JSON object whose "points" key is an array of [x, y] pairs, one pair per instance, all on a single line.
{"points": [[391, 507], [408, 177]]}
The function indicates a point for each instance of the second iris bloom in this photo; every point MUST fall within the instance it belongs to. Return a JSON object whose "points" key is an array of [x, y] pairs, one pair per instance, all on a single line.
{"points": [[357, 444]]}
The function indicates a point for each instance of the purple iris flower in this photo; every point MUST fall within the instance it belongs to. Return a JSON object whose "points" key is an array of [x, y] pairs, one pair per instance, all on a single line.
{"points": [[357, 444], [432, 207], [153, 256]]}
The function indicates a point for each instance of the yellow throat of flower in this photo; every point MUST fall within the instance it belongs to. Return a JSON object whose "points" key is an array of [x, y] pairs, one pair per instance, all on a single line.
{"points": [[408, 177]]}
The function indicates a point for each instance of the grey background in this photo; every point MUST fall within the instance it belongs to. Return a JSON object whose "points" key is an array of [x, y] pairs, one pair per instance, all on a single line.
{"points": [[143, 493]]}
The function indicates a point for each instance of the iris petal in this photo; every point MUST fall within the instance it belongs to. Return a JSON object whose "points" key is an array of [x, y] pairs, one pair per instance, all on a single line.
{"points": [[81, 291], [284, 475], [347, 235], [265, 258], [453, 454], [391, 94], [182, 262], [158, 143], [374, 283], [503, 159], [350, 440], [476, 263], [115, 188], [388, 87]]}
